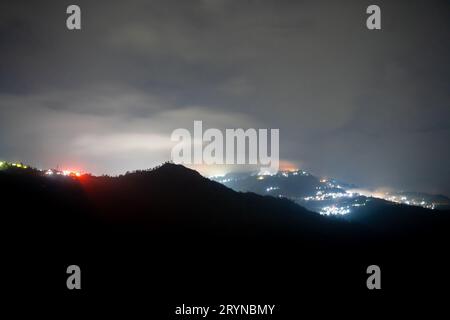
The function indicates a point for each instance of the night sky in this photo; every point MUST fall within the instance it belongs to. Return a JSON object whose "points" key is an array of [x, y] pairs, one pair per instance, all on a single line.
{"points": [[369, 107]]}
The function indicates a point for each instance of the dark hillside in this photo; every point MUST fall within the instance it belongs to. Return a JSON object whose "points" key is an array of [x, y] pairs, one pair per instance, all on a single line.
{"points": [[183, 230]]}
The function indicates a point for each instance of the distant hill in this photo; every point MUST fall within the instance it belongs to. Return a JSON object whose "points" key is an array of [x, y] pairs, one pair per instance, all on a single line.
{"points": [[324, 195]]}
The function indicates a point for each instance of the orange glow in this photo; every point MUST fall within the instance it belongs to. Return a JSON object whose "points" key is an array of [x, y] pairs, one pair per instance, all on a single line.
{"points": [[288, 166]]}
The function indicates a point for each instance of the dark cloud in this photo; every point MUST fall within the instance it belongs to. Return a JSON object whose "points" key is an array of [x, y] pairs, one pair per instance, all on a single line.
{"points": [[367, 106]]}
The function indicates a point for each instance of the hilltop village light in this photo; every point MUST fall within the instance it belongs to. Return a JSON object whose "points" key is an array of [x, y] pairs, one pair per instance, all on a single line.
{"points": [[6, 164], [71, 173], [66, 173]]}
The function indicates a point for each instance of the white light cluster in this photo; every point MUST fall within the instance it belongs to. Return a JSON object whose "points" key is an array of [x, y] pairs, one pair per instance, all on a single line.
{"points": [[321, 196], [335, 210], [286, 174], [66, 173], [409, 201]]}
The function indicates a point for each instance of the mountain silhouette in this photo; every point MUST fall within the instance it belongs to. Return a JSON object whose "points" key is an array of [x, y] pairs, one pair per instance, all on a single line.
{"points": [[176, 197], [185, 231]]}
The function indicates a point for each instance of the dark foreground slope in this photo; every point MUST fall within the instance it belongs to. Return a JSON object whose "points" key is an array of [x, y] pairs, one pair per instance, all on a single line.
{"points": [[169, 236]]}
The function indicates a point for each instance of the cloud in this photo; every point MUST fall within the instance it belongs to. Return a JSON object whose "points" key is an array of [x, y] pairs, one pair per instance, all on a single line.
{"points": [[124, 130], [371, 107]]}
